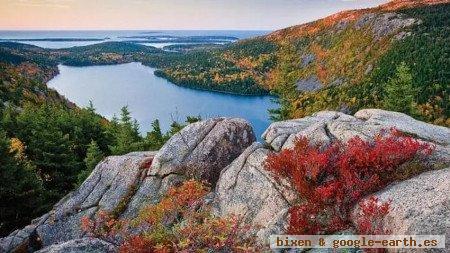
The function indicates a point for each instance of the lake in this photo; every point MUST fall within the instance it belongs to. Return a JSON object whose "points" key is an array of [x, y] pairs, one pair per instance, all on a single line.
{"points": [[150, 97]]}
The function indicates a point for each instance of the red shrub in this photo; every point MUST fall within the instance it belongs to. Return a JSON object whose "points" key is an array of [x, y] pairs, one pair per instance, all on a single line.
{"points": [[180, 222], [102, 226], [332, 180], [137, 244], [369, 220]]}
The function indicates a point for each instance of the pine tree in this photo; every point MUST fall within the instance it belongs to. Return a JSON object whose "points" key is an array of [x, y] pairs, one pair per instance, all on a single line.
{"points": [[193, 119], [125, 115], [20, 187], [48, 133], [93, 156], [155, 138], [91, 107], [175, 127], [127, 137], [399, 92]]}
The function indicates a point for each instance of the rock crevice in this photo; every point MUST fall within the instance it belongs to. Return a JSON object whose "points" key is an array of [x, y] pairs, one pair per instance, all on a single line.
{"points": [[223, 152]]}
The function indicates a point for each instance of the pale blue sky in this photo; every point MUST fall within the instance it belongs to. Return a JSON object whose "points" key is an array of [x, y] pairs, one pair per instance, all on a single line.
{"points": [[168, 14]]}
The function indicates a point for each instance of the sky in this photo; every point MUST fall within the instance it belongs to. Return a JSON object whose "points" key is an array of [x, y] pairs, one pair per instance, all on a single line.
{"points": [[167, 14]]}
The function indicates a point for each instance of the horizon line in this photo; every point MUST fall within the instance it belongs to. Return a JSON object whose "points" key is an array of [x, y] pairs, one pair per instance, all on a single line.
{"points": [[139, 29]]}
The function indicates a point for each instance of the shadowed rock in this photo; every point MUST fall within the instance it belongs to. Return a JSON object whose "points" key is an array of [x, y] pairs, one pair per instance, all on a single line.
{"points": [[121, 185], [203, 149]]}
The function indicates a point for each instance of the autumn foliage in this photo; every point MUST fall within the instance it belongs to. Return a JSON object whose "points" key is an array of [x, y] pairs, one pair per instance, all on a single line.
{"points": [[180, 222], [331, 180]]}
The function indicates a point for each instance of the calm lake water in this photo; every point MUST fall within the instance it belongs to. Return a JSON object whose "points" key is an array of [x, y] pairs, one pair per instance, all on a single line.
{"points": [[150, 97]]}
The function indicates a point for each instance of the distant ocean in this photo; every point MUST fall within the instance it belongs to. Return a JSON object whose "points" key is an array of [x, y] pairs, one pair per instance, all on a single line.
{"points": [[102, 36]]}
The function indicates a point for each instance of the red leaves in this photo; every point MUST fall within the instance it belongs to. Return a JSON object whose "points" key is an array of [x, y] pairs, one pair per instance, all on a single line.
{"points": [[137, 244], [333, 179], [372, 213], [304, 219], [178, 223], [102, 226]]}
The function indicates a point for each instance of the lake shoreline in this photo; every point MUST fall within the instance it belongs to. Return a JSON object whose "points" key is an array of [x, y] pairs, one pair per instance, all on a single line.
{"points": [[170, 81], [150, 97]]}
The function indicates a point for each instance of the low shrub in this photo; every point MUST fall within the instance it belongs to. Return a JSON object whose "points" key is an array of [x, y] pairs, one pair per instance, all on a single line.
{"points": [[371, 214], [180, 222], [331, 180]]}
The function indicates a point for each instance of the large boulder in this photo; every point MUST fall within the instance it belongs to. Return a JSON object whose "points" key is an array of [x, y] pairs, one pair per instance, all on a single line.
{"points": [[419, 206], [121, 185], [203, 149]]}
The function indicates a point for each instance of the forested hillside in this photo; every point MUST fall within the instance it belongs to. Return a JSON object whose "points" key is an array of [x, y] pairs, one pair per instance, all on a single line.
{"points": [[395, 56], [47, 144], [346, 61]]}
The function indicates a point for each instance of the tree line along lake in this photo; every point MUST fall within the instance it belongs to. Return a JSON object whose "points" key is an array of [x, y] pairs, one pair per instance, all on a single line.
{"points": [[147, 96]]}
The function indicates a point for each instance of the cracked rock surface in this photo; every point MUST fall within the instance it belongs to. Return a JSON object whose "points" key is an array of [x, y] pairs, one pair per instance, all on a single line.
{"points": [[108, 185], [223, 152], [419, 206], [122, 184], [92, 245], [327, 126], [247, 189]]}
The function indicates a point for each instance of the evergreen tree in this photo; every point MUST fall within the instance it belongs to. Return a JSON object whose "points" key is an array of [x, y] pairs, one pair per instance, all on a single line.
{"points": [[52, 135], [399, 92], [175, 127], [91, 107], [127, 137], [155, 138], [125, 115], [93, 156], [193, 119], [20, 188]]}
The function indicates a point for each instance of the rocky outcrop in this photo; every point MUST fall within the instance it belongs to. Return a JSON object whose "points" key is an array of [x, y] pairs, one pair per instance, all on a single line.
{"points": [[311, 83], [121, 185], [203, 149], [223, 152], [327, 126], [419, 206], [307, 59], [107, 188], [91, 245], [245, 188], [384, 24]]}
